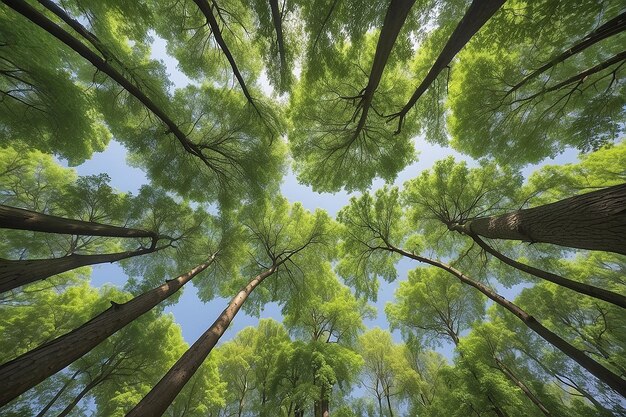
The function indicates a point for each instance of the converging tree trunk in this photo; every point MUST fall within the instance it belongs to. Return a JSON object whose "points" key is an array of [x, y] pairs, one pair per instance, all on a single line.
{"points": [[522, 386], [15, 273], [29, 369], [58, 394], [478, 13], [163, 393], [17, 218], [596, 369], [277, 21], [595, 221], [582, 288]]}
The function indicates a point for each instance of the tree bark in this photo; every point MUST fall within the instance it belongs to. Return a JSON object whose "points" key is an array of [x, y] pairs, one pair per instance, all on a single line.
{"points": [[17, 218], [595, 221], [14, 273], [280, 41], [610, 28], [596, 369], [46, 24], [29, 369], [595, 292], [161, 396], [478, 13]]}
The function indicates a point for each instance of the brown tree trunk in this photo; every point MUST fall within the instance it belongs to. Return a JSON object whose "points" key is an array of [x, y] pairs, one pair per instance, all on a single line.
{"points": [[595, 292], [596, 369], [161, 396], [280, 41], [395, 17], [17, 218], [478, 13], [29, 369], [101, 64], [57, 395], [521, 385], [595, 221], [14, 273]]}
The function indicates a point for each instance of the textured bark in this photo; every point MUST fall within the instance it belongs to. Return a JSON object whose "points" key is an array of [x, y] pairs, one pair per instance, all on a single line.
{"points": [[31, 368], [596, 369], [161, 396], [610, 28], [277, 21], [101, 64], [595, 292], [520, 384], [14, 274], [478, 13], [595, 221], [17, 218], [395, 17]]}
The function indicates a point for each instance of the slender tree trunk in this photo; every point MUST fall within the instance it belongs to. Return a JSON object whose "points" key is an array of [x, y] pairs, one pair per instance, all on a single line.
{"points": [[478, 13], [610, 28], [29, 369], [14, 273], [161, 396], [595, 292], [80, 396], [280, 40], [101, 64], [596, 369], [521, 385], [595, 221], [17, 218], [380, 405], [58, 394], [389, 405], [395, 17]]}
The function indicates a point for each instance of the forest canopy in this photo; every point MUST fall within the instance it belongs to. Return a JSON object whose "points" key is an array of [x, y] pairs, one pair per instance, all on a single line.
{"points": [[501, 263]]}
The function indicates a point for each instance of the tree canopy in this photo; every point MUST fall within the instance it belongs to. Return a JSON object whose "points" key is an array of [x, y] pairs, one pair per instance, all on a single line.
{"points": [[490, 283]]}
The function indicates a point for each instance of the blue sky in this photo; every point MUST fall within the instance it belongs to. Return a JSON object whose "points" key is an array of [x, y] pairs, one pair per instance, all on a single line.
{"points": [[195, 316]]}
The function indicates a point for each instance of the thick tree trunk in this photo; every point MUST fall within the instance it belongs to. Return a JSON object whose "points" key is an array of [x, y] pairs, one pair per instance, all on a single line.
{"points": [[610, 28], [161, 396], [521, 385], [478, 13], [57, 395], [31, 368], [101, 64], [596, 369], [17, 218], [14, 274], [595, 292], [595, 221]]}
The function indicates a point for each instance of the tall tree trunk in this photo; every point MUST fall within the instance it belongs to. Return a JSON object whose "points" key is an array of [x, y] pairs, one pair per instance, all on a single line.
{"points": [[280, 41], [204, 7], [596, 369], [610, 28], [17, 218], [521, 385], [596, 221], [101, 64], [595, 292], [58, 394], [161, 396], [14, 273], [29, 369], [478, 13], [389, 404], [395, 17]]}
